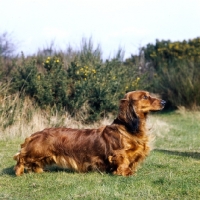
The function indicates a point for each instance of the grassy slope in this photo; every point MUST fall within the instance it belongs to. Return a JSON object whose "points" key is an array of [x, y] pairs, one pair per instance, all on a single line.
{"points": [[170, 172]]}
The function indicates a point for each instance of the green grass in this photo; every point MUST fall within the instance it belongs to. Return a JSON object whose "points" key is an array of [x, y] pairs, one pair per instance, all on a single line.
{"points": [[170, 172]]}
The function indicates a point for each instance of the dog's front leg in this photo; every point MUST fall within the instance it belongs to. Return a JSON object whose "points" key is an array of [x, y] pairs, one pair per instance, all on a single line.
{"points": [[122, 164]]}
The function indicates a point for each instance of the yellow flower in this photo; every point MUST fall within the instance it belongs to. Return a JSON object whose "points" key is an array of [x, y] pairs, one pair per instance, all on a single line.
{"points": [[47, 61], [48, 58], [57, 61]]}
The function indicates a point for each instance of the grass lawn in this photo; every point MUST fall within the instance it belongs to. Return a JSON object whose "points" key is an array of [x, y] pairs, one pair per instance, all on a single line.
{"points": [[172, 171]]}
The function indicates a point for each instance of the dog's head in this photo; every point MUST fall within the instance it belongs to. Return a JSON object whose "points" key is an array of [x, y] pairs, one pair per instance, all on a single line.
{"points": [[143, 102], [135, 107]]}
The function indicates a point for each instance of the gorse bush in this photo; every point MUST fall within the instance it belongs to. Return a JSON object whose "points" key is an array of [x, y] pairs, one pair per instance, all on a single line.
{"points": [[176, 71], [167, 52], [94, 86], [47, 84], [87, 87], [52, 83], [98, 87]]}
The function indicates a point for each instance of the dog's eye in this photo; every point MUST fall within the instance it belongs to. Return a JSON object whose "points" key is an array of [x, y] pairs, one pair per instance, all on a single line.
{"points": [[145, 97]]}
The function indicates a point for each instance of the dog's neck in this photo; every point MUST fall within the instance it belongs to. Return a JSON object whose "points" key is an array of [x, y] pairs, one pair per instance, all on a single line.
{"points": [[136, 126]]}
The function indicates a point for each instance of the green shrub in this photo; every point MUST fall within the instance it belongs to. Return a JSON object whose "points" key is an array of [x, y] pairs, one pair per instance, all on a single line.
{"points": [[179, 84], [51, 87], [94, 86], [176, 71], [79, 82], [166, 52], [24, 78], [46, 85]]}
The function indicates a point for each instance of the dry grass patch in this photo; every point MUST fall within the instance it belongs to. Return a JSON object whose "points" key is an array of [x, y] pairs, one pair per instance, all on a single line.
{"points": [[22, 118]]}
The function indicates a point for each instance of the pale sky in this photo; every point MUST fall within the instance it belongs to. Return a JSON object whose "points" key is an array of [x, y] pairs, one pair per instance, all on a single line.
{"points": [[129, 24]]}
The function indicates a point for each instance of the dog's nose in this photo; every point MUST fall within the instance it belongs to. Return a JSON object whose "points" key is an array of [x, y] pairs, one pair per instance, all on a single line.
{"points": [[163, 102]]}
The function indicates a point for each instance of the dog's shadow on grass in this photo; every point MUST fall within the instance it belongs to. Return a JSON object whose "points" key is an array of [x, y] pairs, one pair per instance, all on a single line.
{"points": [[194, 155], [9, 171], [57, 169], [53, 169]]}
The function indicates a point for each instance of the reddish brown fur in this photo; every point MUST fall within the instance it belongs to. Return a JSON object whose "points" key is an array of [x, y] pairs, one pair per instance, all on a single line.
{"points": [[117, 148]]}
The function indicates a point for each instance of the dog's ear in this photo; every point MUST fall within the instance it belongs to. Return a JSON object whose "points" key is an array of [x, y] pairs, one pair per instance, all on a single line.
{"points": [[128, 116], [123, 104]]}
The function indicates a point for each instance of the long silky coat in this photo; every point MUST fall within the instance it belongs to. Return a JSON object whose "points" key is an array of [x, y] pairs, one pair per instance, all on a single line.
{"points": [[117, 148]]}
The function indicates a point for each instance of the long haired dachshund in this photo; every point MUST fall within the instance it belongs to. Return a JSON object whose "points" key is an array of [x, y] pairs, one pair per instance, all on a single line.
{"points": [[117, 148]]}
